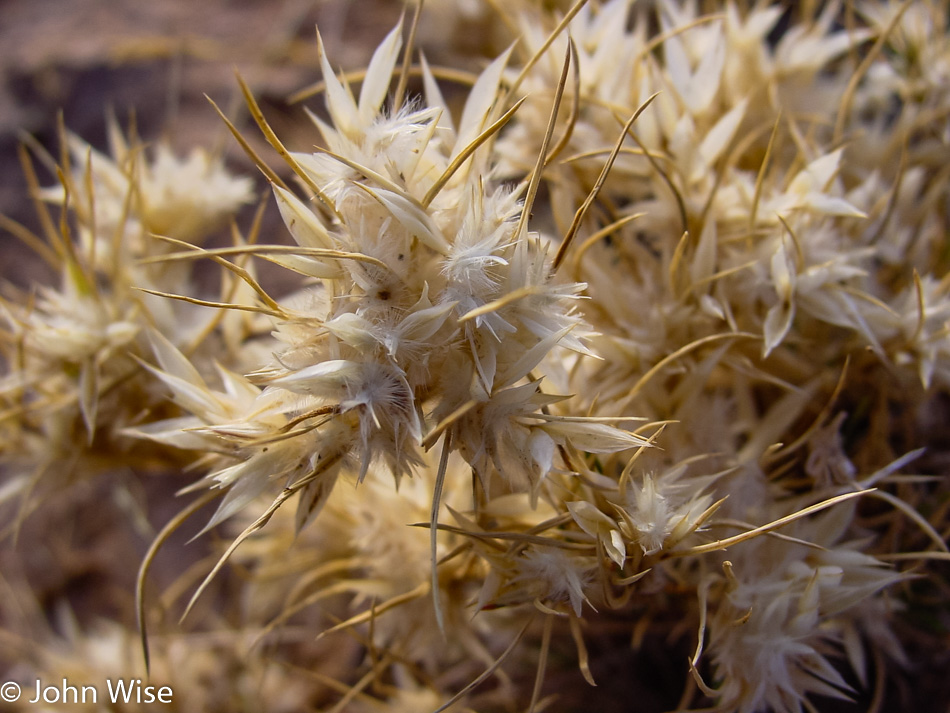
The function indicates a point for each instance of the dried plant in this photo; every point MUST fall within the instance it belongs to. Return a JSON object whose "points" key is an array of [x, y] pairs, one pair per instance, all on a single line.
{"points": [[642, 327]]}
